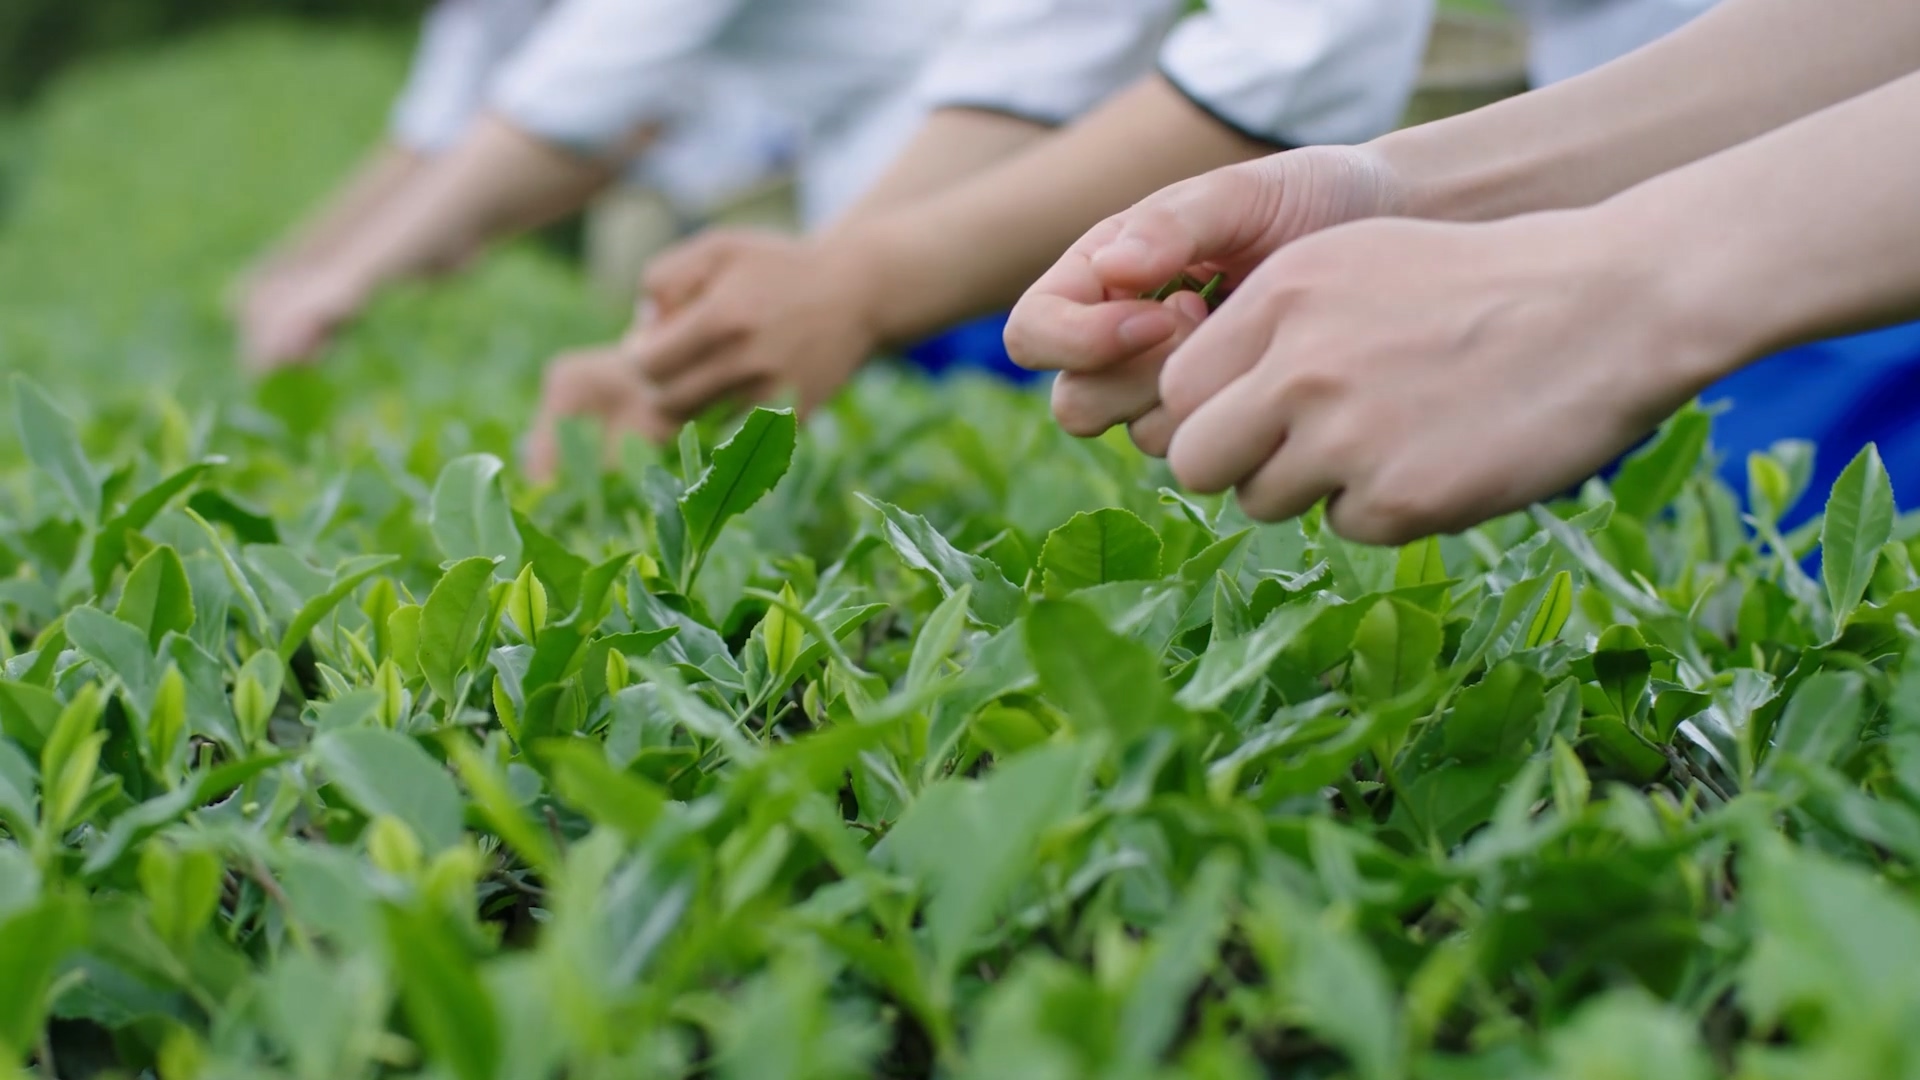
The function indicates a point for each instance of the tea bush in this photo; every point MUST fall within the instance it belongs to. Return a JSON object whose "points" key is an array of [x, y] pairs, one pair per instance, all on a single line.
{"points": [[924, 741]]}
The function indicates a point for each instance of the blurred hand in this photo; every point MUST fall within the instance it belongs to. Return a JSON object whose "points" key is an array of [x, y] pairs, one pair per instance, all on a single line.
{"points": [[288, 315], [742, 315], [1425, 377], [598, 383], [1085, 317]]}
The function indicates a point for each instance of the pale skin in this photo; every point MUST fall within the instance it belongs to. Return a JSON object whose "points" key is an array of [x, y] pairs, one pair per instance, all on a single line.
{"points": [[398, 220], [1681, 215], [957, 229]]}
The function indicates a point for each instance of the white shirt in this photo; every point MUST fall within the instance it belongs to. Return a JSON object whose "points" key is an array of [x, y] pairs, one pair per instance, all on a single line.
{"points": [[1572, 37], [585, 74], [1285, 71]]}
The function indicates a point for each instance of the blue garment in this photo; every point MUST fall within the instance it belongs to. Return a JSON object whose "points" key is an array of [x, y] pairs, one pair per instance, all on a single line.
{"points": [[1840, 395], [975, 345]]}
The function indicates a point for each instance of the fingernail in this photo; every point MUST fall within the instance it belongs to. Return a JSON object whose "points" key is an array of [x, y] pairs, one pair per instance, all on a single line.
{"points": [[1145, 330]]}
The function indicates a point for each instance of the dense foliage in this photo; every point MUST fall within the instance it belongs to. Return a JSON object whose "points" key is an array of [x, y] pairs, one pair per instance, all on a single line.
{"points": [[923, 741]]}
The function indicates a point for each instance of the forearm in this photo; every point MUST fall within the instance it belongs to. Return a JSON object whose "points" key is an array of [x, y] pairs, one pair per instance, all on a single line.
{"points": [[1736, 72], [951, 145], [498, 181], [386, 171], [972, 247], [1807, 232]]}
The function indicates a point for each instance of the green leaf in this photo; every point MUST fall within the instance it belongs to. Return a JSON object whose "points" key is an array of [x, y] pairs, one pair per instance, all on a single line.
{"points": [[1394, 649], [53, 445], [996, 601], [968, 843], [583, 778], [1227, 668], [741, 472], [1495, 718], [346, 578], [1098, 547], [470, 517], [937, 637], [110, 546], [1859, 519], [118, 649], [1419, 563], [1101, 680], [157, 597], [1653, 476], [1623, 669], [447, 1004], [385, 772], [27, 714], [1185, 948], [454, 622], [32, 944], [1556, 607]]}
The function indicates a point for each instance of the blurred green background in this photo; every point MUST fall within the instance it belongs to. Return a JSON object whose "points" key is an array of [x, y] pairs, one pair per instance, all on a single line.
{"points": [[39, 38]]}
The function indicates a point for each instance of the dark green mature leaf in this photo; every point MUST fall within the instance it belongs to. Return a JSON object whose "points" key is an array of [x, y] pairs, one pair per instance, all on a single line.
{"points": [[1859, 519], [453, 622], [1098, 547], [1104, 682], [996, 602], [157, 597], [1184, 949], [741, 472], [384, 772], [1496, 717], [1654, 475], [471, 518], [53, 445]]}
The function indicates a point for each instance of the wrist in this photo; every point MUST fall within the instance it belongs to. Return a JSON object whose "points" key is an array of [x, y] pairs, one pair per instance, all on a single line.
{"points": [[1681, 289], [872, 260]]}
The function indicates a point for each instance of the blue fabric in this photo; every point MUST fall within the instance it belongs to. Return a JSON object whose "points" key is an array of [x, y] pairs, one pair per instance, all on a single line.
{"points": [[1841, 395], [974, 346]]}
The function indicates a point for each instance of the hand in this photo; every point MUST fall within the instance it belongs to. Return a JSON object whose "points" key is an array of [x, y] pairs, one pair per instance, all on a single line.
{"points": [[288, 315], [743, 315], [1085, 317], [599, 383], [1425, 377]]}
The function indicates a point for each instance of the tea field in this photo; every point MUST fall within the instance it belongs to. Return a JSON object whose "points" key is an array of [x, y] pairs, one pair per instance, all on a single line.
{"points": [[923, 741]]}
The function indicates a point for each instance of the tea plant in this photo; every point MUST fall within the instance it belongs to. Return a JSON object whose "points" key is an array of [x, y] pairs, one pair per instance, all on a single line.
{"points": [[925, 741]]}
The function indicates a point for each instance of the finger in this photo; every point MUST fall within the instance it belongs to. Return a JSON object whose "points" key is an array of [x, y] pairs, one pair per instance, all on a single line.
{"points": [[1088, 403], [1219, 351], [1222, 215], [694, 390], [1153, 432], [1052, 333], [674, 277], [1287, 484], [663, 351], [1221, 443]]}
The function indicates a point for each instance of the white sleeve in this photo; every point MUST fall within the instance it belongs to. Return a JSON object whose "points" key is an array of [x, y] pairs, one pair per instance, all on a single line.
{"points": [[596, 70], [462, 44], [1297, 72], [1046, 60]]}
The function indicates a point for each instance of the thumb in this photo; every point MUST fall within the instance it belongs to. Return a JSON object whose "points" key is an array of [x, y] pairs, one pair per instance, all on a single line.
{"points": [[1215, 218]]}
